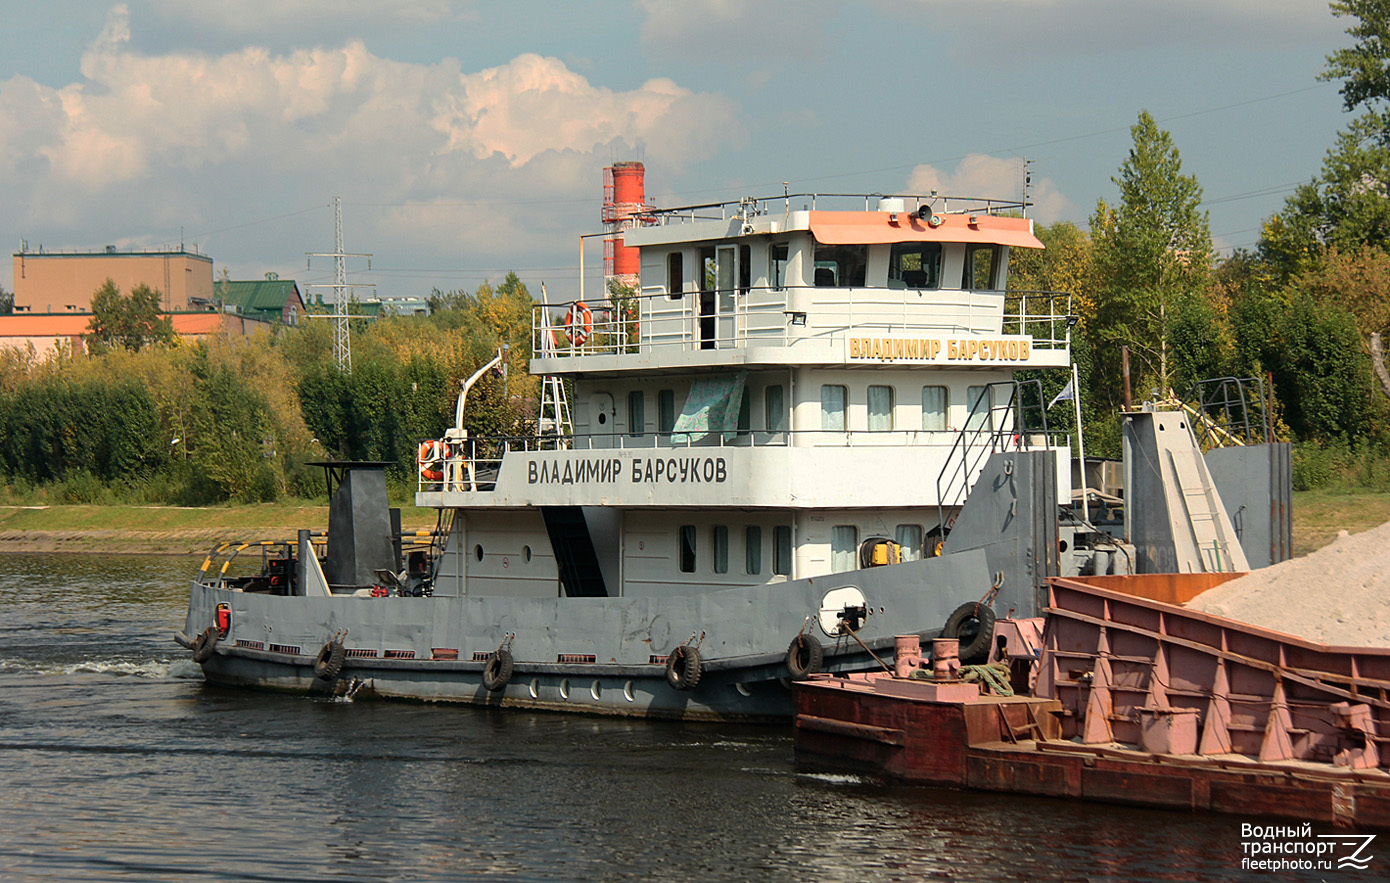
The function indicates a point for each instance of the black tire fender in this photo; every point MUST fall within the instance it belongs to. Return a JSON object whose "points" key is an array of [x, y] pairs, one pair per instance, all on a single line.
{"points": [[805, 656], [205, 643], [498, 671], [973, 624], [683, 668], [329, 663]]}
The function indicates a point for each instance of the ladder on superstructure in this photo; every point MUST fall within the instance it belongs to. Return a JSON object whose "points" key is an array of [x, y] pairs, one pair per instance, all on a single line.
{"points": [[553, 419]]}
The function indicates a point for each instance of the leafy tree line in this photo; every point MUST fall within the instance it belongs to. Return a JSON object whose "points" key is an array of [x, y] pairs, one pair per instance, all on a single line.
{"points": [[146, 417], [1301, 309]]}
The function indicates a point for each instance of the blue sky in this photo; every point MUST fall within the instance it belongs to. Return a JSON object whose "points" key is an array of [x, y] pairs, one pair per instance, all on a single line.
{"points": [[468, 138]]}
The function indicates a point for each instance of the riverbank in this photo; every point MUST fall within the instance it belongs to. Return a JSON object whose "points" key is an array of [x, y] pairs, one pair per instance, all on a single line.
{"points": [[175, 530], [163, 530]]}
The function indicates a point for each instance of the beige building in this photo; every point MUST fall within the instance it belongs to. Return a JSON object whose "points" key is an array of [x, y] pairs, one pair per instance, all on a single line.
{"points": [[58, 282]]}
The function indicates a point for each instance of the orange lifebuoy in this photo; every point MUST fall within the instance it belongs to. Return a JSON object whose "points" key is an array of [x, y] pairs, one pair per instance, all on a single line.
{"points": [[579, 323], [431, 454]]}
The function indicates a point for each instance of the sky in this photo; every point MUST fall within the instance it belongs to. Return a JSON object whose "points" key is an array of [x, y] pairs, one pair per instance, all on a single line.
{"points": [[467, 139]]}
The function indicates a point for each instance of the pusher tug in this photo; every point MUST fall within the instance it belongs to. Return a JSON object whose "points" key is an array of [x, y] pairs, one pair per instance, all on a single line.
{"points": [[779, 415]]}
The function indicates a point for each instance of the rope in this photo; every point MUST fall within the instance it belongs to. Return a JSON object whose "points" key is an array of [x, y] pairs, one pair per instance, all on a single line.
{"points": [[992, 678]]}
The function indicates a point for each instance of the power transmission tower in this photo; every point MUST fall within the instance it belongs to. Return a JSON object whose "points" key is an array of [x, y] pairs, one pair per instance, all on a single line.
{"points": [[344, 295]]}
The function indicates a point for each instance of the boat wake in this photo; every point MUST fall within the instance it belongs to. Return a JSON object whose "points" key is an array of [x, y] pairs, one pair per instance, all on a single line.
{"points": [[151, 669]]}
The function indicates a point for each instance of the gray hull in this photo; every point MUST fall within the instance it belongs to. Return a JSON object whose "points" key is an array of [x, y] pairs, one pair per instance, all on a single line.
{"points": [[594, 655]]}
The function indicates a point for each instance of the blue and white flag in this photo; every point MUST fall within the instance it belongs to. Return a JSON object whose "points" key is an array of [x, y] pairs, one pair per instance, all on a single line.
{"points": [[1066, 394]]}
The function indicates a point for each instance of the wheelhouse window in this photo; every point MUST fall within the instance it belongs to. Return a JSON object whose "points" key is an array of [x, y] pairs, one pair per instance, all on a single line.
{"points": [[745, 413], [914, 265], [636, 412], [880, 408], [745, 268], [753, 549], [844, 548], [934, 404], [981, 268], [687, 548], [721, 548], [782, 550], [777, 258], [832, 407], [775, 409], [909, 537], [841, 266], [675, 275]]}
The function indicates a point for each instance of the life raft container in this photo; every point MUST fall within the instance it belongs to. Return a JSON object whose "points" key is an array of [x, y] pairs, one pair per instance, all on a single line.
{"points": [[431, 460], [579, 323]]}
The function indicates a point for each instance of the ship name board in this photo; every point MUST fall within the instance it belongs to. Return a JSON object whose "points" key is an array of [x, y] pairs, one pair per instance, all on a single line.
{"points": [[1009, 348], [645, 470]]}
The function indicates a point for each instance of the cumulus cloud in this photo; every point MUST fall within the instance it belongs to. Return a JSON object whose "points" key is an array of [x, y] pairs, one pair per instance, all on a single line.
{"points": [[188, 128], [990, 177]]}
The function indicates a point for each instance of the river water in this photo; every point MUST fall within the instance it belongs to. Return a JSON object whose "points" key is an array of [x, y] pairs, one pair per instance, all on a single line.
{"points": [[118, 763]]}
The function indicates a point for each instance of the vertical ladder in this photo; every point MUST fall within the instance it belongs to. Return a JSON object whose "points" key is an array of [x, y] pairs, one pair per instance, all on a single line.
{"points": [[1204, 525], [553, 418]]}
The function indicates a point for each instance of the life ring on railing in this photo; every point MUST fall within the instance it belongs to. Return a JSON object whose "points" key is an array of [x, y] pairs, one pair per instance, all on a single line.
{"points": [[431, 460], [579, 323]]}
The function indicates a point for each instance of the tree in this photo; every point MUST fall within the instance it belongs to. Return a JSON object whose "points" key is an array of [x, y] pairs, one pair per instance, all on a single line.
{"points": [[1346, 205], [6, 302], [130, 323], [1152, 254]]}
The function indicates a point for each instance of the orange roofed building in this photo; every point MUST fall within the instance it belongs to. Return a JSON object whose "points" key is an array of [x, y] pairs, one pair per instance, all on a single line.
{"points": [[47, 331]]}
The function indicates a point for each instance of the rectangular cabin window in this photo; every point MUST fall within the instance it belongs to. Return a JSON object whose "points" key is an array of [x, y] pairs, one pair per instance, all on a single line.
{"points": [[745, 269], [666, 410], [934, 408], [777, 258], [775, 409], [977, 403], [782, 550], [721, 548], [832, 407], [914, 265], [675, 275], [880, 408], [753, 549], [909, 537], [687, 548], [636, 412], [980, 268], [844, 548], [841, 266]]}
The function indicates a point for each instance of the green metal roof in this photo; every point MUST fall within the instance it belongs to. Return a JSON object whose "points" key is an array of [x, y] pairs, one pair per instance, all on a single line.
{"points": [[257, 298]]}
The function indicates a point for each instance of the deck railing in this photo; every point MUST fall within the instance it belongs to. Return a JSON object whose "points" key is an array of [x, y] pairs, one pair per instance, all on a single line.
{"points": [[474, 465], [732, 319]]}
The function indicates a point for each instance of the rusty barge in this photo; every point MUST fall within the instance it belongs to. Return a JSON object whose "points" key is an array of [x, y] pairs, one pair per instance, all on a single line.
{"points": [[1135, 700]]}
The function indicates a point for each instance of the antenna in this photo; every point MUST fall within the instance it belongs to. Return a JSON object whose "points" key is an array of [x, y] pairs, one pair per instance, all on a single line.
{"points": [[1027, 184], [343, 294]]}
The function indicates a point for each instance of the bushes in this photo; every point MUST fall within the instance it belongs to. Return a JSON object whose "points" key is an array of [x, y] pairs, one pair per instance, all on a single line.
{"points": [[1337, 465]]}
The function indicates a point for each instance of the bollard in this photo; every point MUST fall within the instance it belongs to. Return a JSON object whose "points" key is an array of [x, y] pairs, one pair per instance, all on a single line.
{"points": [[945, 658], [908, 653]]}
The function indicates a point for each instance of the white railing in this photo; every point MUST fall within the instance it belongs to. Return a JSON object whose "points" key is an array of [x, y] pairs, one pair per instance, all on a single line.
{"points": [[761, 317], [475, 464]]}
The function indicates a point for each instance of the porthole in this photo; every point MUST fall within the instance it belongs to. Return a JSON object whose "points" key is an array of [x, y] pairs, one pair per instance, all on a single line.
{"points": [[526, 553], [478, 552], [565, 688], [629, 693], [743, 690], [535, 688], [596, 690]]}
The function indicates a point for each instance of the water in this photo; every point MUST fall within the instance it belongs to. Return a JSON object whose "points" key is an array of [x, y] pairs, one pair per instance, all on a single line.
{"points": [[118, 763]]}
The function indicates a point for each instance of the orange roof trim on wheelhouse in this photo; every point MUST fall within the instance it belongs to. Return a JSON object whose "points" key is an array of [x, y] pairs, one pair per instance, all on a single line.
{"points": [[881, 228]]}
